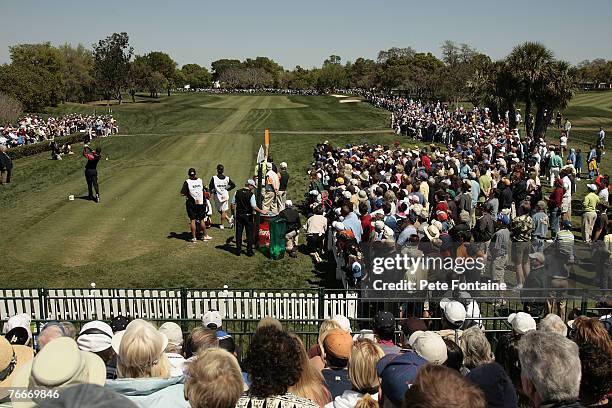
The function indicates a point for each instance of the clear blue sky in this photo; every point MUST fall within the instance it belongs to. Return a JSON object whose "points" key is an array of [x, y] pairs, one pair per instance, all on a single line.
{"points": [[306, 32]]}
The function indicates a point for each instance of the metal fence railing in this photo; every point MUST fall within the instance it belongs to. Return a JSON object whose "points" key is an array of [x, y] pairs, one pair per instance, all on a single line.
{"points": [[300, 310]]}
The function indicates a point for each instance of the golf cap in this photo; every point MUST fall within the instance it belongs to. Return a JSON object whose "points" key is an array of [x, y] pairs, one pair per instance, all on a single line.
{"points": [[522, 322], [288, 203], [344, 323], [454, 312], [173, 332], [191, 172], [119, 323], [283, 165], [397, 372], [251, 182], [592, 187], [430, 346], [338, 343], [21, 320], [212, 319], [95, 336], [384, 319]]}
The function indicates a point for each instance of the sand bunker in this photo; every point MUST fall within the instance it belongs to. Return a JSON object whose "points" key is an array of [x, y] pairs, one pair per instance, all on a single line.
{"points": [[349, 100], [339, 96]]}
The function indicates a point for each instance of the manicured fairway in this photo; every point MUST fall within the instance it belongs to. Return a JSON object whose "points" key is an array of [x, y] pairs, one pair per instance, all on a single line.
{"points": [[136, 236]]}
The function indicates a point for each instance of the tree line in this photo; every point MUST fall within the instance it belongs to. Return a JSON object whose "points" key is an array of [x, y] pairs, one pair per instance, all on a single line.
{"points": [[42, 75]]}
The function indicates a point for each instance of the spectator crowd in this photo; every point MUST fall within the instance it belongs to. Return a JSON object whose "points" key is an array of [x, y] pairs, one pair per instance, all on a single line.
{"points": [[125, 363], [473, 188], [34, 129]]}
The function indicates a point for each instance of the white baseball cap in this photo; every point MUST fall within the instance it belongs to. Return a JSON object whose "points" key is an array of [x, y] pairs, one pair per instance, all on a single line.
{"points": [[453, 311], [289, 203], [430, 346], [344, 323], [173, 332], [522, 322], [212, 317], [95, 336]]}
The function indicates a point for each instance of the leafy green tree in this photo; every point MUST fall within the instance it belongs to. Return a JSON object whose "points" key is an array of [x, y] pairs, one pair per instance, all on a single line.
{"points": [[223, 64], [361, 74], [112, 57], [395, 52], [196, 76], [162, 63], [553, 91], [77, 73], [10, 108], [139, 76]]}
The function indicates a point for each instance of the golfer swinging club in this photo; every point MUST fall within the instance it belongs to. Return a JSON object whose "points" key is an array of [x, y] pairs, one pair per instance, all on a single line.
{"points": [[193, 189], [91, 172]]}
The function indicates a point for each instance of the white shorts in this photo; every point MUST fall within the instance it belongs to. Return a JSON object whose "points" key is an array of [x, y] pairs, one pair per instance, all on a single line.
{"points": [[566, 205], [221, 205]]}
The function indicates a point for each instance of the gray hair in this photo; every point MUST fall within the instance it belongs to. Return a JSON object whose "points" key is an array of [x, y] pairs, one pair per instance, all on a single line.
{"points": [[551, 363], [3, 148], [476, 348], [553, 324]]}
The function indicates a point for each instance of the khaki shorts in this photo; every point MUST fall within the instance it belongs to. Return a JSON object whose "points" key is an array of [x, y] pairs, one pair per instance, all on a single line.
{"points": [[498, 267]]}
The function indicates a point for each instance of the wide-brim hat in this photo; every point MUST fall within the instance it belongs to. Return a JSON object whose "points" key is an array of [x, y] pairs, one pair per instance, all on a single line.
{"points": [[59, 364], [22, 356]]}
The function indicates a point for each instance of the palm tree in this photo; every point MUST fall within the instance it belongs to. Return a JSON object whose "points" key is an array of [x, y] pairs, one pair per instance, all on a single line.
{"points": [[552, 91], [528, 61]]}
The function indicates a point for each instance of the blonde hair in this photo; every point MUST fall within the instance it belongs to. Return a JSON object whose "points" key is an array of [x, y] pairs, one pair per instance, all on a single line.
{"points": [[326, 327], [362, 364], [214, 380], [311, 383], [366, 402], [200, 339], [141, 352]]}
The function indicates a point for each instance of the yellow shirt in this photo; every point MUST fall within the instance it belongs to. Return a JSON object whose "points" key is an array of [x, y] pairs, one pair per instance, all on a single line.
{"points": [[590, 202]]}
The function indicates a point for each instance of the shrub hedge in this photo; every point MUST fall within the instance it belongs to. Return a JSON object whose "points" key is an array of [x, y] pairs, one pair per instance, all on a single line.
{"points": [[40, 147]]}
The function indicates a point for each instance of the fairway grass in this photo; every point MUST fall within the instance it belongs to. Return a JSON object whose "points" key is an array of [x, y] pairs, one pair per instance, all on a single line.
{"points": [[137, 236]]}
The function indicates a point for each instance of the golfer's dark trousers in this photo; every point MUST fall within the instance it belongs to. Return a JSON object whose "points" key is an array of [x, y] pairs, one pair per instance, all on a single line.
{"points": [[91, 175], [244, 222]]}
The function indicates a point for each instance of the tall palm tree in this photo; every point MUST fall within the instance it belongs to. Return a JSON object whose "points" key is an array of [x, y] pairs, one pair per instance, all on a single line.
{"points": [[528, 61], [553, 91]]}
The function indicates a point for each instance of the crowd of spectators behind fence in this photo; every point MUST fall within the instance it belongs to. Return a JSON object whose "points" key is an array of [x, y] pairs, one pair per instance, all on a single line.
{"points": [[128, 363], [34, 129], [474, 189]]}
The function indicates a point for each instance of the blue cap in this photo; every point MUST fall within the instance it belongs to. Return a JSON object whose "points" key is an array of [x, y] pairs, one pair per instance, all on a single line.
{"points": [[397, 372]]}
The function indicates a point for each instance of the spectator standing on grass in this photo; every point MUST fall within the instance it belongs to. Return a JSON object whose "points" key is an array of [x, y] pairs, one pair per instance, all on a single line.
{"points": [[220, 185], [521, 229], [567, 126], [272, 183], [6, 166], [91, 171], [193, 190], [589, 206], [245, 204], [601, 137], [540, 227], [292, 230], [283, 176], [562, 144]]}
